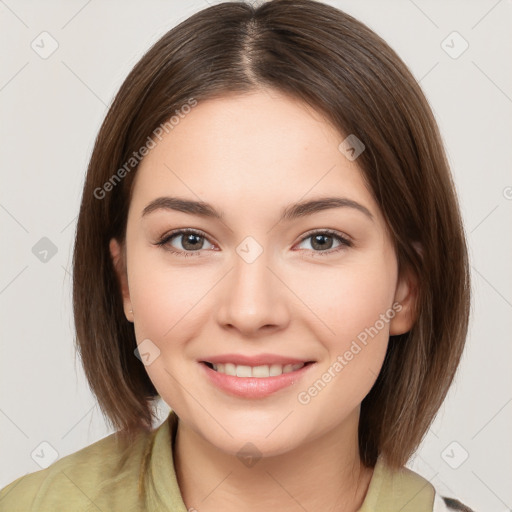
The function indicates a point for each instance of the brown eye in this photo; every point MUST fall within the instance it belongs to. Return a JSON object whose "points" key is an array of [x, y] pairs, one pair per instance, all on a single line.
{"points": [[322, 242], [187, 241], [190, 241]]}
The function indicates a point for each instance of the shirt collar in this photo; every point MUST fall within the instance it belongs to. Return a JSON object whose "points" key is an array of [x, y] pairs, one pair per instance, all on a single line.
{"points": [[397, 490], [160, 481]]}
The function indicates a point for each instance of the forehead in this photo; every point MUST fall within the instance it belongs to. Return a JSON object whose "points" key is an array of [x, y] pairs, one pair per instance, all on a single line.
{"points": [[261, 147]]}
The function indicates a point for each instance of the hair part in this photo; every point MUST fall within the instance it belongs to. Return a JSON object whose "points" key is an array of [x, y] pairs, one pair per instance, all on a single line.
{"points": [[334, 63]]}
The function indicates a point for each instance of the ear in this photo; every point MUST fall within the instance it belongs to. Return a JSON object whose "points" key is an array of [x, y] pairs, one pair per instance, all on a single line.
{"points": [[406, 295], [118, 259]]}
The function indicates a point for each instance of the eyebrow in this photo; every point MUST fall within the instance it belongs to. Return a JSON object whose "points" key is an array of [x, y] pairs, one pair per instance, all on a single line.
{"points": [[291, 212]]}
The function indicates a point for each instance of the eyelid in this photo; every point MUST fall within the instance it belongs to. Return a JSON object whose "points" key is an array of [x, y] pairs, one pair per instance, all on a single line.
{"points": [[326, 231]]}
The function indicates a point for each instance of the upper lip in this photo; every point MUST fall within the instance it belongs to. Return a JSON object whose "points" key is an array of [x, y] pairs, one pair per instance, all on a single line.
{"points": [[256, 360]]}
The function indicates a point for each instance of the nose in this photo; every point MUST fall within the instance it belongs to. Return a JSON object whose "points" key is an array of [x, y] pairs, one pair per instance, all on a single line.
{"points": [[253, 298]]}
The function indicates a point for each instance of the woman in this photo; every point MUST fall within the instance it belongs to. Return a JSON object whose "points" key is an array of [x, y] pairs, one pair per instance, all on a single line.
{"points": [[262, 243]]}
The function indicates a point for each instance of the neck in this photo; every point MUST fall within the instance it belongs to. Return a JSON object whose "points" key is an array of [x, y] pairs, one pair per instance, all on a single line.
{"points": [[323, 474]]}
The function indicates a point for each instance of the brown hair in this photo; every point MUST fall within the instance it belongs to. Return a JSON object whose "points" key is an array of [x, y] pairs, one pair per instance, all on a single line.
{"points": [[322, 56]]}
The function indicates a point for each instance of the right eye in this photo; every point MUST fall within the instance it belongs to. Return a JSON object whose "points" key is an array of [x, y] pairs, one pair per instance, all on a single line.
{"points": [[191, 241]]}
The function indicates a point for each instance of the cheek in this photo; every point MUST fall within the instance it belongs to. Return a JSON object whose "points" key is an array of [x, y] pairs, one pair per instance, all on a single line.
{"points": [[167, 303], [355, 308], [349, 299], [166, 299], [354, 304], [164, 305]]}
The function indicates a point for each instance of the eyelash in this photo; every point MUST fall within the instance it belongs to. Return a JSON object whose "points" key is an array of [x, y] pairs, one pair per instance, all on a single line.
{"points": [[344, 242]]}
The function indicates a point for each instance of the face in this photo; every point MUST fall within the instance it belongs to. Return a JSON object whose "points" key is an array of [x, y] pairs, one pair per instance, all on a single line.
{"points": [[319, 290]]}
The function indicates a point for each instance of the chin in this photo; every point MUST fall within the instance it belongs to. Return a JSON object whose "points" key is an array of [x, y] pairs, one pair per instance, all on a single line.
{"points": [[251, 446]]}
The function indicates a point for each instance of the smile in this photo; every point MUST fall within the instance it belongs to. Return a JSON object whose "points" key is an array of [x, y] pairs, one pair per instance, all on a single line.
{"points": [[260, 372], [252, 382]]}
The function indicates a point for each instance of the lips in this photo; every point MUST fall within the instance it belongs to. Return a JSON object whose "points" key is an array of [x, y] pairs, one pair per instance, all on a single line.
{"points": [[253, 382]]}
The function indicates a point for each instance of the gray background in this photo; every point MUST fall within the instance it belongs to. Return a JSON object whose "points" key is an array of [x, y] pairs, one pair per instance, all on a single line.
{"points": [[51, 110]]}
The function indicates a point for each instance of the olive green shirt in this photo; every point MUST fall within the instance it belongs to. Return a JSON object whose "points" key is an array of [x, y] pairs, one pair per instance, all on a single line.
{"points": [[107, 477]]}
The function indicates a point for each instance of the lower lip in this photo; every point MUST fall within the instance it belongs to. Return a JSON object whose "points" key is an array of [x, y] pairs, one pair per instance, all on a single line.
{"points": [[253, 387]]}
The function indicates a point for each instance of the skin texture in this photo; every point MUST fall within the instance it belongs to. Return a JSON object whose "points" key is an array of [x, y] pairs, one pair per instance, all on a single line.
{"points": [[250, 156]]}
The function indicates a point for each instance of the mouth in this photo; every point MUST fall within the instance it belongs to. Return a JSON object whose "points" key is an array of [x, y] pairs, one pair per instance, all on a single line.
{"points": [[256, 380], [260, 371]]}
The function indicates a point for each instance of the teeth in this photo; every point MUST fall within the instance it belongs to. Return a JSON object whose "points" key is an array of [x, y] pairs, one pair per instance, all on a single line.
{"points": [[256, 371], [243, 371]]}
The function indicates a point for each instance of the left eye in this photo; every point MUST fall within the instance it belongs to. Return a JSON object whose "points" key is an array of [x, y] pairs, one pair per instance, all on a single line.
{"points": [[323, 240]]}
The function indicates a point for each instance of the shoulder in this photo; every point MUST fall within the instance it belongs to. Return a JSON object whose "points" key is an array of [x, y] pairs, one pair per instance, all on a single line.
{"points": [[83, 480], [406, 490], [441, 503]]}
